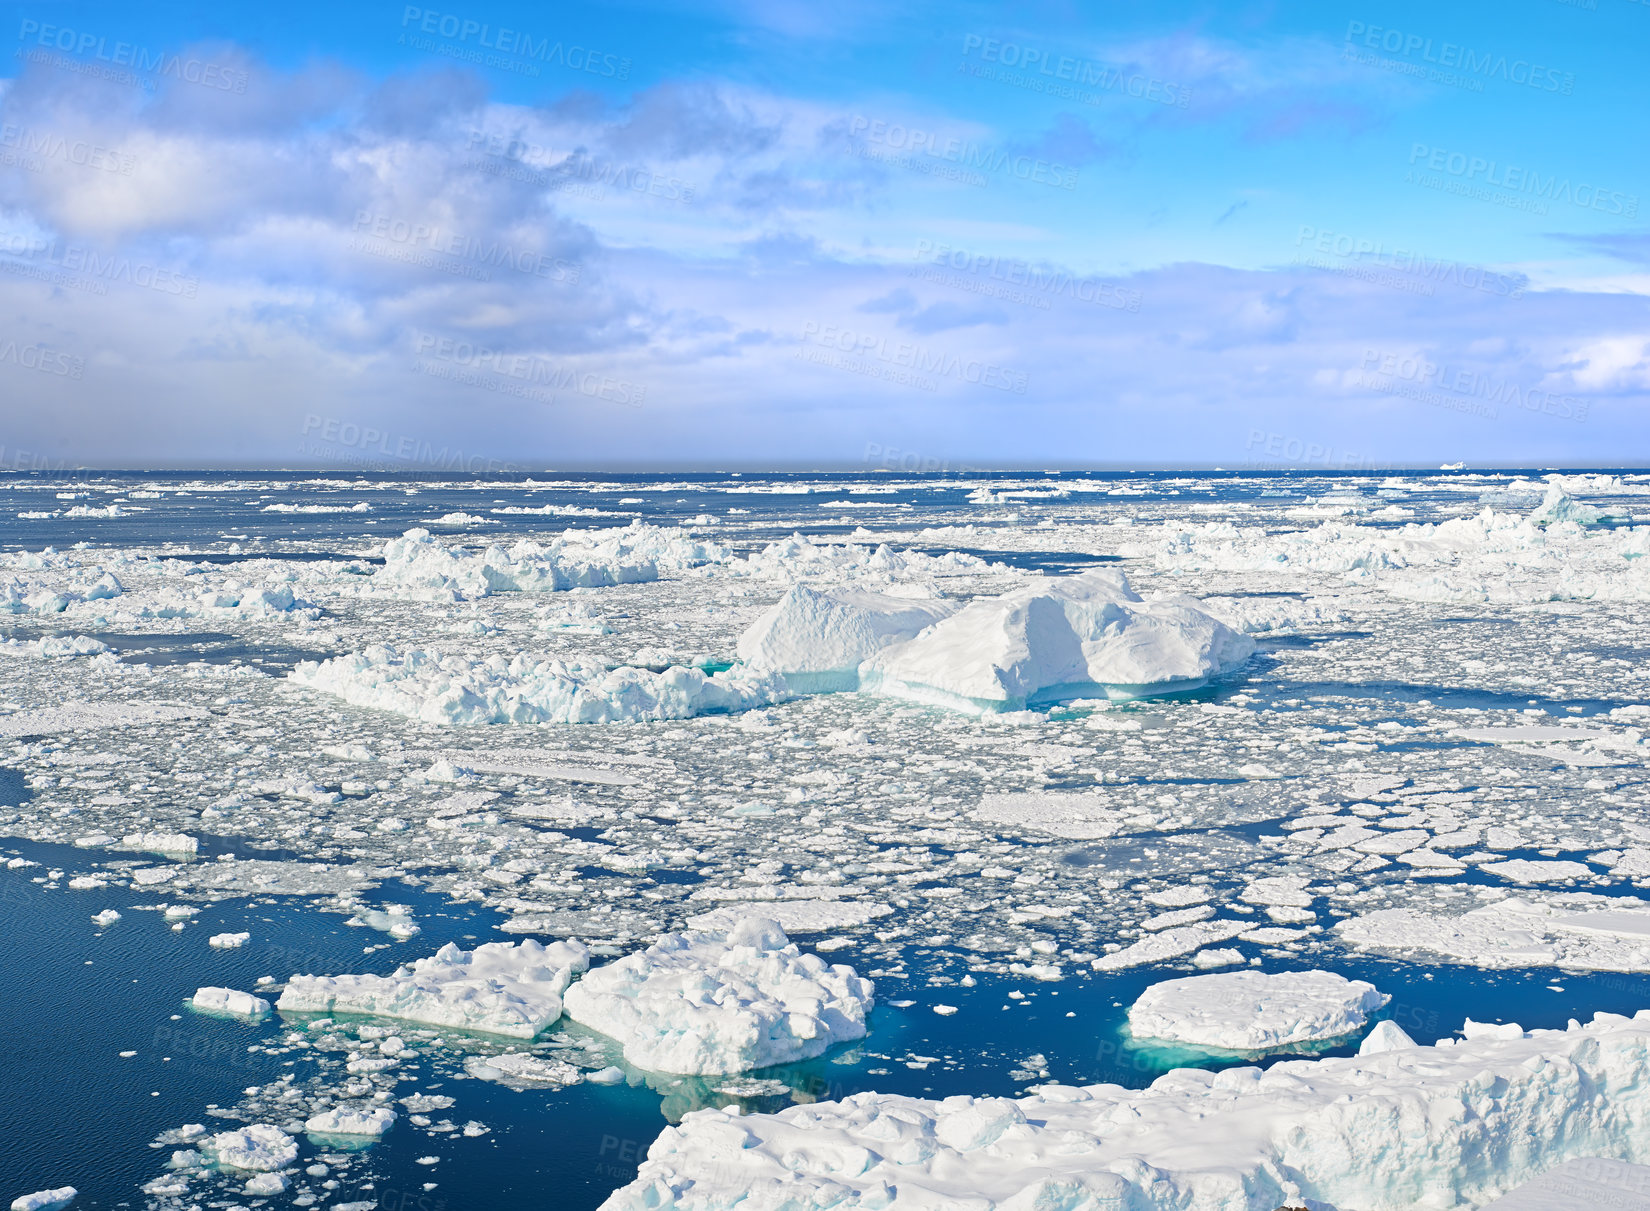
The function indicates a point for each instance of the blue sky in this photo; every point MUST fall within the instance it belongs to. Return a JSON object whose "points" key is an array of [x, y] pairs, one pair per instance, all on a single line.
{"points": [[640, 234]]}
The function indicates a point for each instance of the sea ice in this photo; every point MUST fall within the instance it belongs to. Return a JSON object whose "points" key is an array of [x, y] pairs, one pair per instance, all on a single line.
{"points": [[722, 1002], [259, 1148], [1253, 1011], [228, 941], [1575, 930], [44, 1200], [1376, 1132], [508, 988], [1086, 636], [818, 638], [229, 1000], [440, 688], [374, 1120]]}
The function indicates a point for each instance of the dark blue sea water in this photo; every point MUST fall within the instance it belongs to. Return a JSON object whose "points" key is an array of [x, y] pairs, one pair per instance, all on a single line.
{"points": [[73, 1111]]}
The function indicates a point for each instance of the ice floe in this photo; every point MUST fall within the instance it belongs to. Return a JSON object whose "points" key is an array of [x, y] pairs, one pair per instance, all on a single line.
{"points": [[722, 1002], [507, 988], [1253, 1011]]}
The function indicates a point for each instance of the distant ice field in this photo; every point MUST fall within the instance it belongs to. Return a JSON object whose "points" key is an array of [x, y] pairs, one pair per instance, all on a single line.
{"points": [[360, 716]]}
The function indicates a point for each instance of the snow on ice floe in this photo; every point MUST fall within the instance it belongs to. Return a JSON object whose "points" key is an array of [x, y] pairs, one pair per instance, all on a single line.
{"points": [[371, 1121], [1576, 930], [507, 988], [258, 1148], [456, 689], [1363, 1132], [44, 1200], [722, 1002], [1085, 636], [1252, 1011], [229, 1001]]}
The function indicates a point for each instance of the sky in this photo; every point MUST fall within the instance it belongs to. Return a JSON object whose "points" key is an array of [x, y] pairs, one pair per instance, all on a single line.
{"points": [[773, 234]]}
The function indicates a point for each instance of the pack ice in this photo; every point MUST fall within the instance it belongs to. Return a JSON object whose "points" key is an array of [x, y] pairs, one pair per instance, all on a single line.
{"points": [[508, 988], [1253, 1011], [441, 688], [719, 1002], [1436, 1127]]}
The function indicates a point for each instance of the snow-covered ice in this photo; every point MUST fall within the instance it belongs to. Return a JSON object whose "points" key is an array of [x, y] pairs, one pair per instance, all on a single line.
{"points": [[229, 1000], [507, 988], [1359, 1132], [1085, 636], [373, 1121], [722, 1002], [258, 1148], [1253, 1011], [44, 1200], [818, 638]]}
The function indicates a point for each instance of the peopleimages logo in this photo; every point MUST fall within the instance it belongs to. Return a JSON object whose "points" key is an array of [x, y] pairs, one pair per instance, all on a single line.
{"points": [[1463, 58], [1014, 273], [917, 359], [507, 41], [1519, 181], [1063, 76], [963, 155], [41, 358], [126, 54]]}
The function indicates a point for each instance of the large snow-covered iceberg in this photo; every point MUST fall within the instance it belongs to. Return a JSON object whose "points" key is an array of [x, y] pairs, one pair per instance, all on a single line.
{"points": [[1252, 1010], [1412, 1127], [819, 638], [1086, 636], [720, 1002], [508, 988]]}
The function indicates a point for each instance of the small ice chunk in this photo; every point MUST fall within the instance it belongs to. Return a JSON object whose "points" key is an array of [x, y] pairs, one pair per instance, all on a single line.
{"points": [[228, 941], [106, 918], [229, 1000]]}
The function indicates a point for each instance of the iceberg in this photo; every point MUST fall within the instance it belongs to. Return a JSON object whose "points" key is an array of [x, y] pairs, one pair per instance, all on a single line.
{"points": [[508, 988], [817, 639], [731, 1001], [1252, 1011], [1438, 1127], [1085, 636]]}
